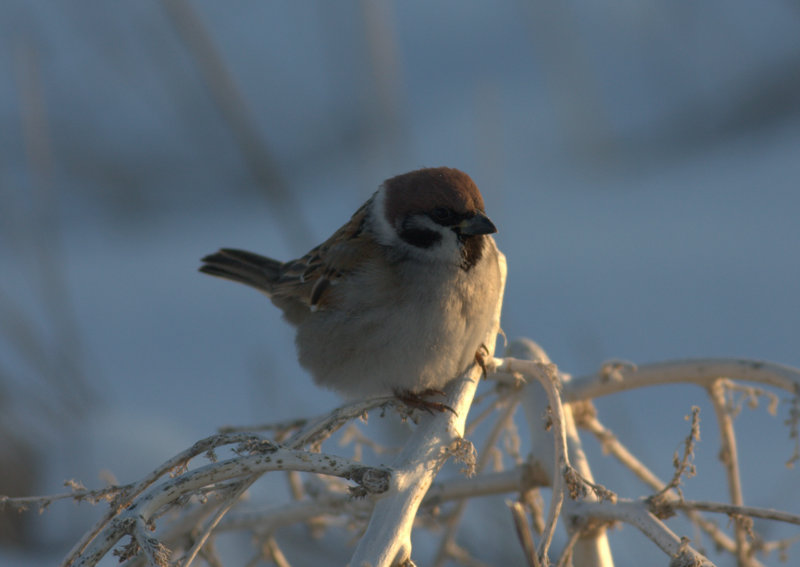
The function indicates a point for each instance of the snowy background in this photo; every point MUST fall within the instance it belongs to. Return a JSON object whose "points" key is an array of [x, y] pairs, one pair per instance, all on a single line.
{"points": [[641, 160]]}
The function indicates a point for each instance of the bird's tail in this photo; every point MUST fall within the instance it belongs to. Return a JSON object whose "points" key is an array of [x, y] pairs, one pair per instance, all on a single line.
{"points": [[244, 267]]}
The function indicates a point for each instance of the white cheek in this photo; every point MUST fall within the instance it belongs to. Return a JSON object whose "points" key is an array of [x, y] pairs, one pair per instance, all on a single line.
{"points": [[447, 250], [383, 231]]}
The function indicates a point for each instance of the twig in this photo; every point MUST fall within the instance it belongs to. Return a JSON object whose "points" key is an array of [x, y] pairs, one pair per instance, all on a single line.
{"points": [[702, 371], [636, 514], [732, 509], [317, 430], [124, 499], [280, 428], [612, 445], [730, 461], [275, 553], [230, 501], [547, 376], [294, 512], [523, 530], [566, 554], [683, 465], [519, 479], [512, 481], [370, 479], [22, 503], [455, 518]]}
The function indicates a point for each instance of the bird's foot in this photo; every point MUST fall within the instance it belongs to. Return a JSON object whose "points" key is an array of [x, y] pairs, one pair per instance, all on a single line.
{"points": [[416, 400], [481, 356]]}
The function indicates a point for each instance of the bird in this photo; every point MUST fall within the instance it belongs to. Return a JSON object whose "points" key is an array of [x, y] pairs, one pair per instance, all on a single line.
{"points": [[399, 300]]}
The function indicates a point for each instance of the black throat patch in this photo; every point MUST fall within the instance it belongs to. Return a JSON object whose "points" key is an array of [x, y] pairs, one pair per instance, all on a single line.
{"points": [[471, 250]]}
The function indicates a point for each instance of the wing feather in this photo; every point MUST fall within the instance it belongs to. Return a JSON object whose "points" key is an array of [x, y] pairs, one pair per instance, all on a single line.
{"points": [[310, 279]]}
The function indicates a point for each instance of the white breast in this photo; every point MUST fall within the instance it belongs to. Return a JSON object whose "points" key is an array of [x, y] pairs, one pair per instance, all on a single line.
{"points": [[410, 328]]}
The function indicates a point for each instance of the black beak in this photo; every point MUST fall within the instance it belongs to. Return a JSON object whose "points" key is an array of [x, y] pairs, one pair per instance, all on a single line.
{"points": [[478, 224]]}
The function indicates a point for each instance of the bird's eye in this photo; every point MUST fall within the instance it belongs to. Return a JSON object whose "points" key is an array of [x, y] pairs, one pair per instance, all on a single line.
{"points": [[441, 214]]}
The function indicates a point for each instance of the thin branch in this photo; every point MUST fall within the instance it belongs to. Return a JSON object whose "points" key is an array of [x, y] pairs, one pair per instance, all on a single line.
{"points": [[230, 501], [523, 529], [731, 509], [23, 503], [453, 522], [592, 548], [613, 446], [730, 460], [566, 554], [274, 552], [318, 430], [683, 465], [518, 479], [547, 376], [702, 372], [637, 515], [281, 429], [171, 466], [295, 512], [270, 458]]}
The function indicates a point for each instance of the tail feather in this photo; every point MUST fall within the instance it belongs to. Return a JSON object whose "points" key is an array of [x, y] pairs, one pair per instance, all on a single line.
{"points": [[243, 267]]}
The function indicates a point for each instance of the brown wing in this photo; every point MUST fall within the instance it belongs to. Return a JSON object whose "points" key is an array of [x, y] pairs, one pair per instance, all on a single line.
{"points": [[309, 279]]}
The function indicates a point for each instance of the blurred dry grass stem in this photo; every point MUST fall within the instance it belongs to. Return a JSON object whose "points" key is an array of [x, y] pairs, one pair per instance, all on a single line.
{"points": [[235, 110], [44, 389]]}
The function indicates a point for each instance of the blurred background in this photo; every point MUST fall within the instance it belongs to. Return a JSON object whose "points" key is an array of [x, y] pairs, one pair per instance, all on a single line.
{"points": [[641, 160]]}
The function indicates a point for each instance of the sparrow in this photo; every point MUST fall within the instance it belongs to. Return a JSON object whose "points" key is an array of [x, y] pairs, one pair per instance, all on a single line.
{"points": [[399, 300]]}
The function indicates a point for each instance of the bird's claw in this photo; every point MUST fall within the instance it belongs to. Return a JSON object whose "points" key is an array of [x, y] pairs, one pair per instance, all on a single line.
{"points": [[481, 357], [416, 400]]}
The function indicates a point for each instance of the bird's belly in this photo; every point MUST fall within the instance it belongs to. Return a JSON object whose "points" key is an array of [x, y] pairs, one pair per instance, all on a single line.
{"points": [[413, 344]]}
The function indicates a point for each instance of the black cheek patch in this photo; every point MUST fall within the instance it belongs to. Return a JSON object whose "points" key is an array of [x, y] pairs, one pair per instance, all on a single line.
{"points": [[420, 237]]}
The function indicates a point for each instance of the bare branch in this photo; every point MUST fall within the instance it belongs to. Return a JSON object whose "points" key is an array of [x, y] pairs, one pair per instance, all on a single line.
{"points": [[636, 514], [702, 372], [729, 456], [453, 522], [683, 465], [731, 509], [268, 458], [524, 533], [614, 447], [556, 453], [387, 540], [204, 494], [547, 375], [206, 532]]}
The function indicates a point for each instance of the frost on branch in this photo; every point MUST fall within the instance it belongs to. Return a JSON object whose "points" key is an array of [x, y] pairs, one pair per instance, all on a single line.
{"points": [[518, 442], [176, 514]]}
